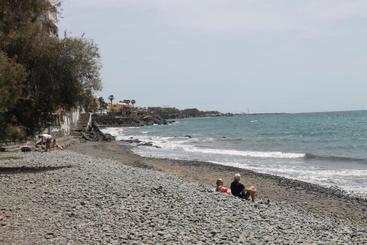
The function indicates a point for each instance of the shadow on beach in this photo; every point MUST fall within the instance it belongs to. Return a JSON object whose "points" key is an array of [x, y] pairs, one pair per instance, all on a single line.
{"points": [[25, 169]]}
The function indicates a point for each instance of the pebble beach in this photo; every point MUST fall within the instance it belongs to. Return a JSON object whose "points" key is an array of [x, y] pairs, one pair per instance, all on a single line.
{"points": [[70, 197]]}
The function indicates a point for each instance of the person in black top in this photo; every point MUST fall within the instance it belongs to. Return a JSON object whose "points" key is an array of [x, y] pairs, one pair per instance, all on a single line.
{"points": [[239, 189]]}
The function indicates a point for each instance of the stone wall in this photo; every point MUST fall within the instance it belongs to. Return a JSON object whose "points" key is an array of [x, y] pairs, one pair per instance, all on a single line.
{"points": [[65, 123]]}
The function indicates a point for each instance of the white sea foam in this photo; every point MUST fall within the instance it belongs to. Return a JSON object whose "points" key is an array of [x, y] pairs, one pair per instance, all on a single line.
{"points": [[257, 154], [186, 144], [113, 131]]}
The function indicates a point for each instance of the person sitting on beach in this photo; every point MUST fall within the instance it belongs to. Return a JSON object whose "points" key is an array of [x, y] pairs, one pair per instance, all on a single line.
{"points": [[44, 140], [239, 189], [221, 188]]}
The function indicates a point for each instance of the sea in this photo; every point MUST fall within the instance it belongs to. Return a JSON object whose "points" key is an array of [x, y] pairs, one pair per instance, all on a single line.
{"points": [[328, 149]]}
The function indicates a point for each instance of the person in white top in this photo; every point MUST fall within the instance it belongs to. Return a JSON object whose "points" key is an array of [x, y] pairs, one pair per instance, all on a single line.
{"points": [[44, 139]]}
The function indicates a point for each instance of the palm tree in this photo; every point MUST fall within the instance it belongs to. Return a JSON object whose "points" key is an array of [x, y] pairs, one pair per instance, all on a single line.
{"points": [[111, 98], [133, 102]]}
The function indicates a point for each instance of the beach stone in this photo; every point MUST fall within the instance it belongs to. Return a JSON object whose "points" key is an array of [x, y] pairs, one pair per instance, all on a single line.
{"points": [[49, 235]]}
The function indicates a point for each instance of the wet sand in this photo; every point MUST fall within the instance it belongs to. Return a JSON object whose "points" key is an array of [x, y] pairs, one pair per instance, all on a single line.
{"points": [[323, 202]]}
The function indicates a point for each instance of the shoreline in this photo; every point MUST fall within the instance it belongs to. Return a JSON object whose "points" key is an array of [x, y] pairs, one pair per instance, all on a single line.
{"points": [[328, 202]]}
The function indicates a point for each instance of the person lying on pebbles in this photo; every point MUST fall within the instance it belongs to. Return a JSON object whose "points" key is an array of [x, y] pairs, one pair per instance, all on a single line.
{"points": [[221, 188]]}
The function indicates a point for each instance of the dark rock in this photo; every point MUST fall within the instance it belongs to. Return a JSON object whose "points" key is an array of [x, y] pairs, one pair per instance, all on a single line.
{"points": [[49, 235], [93, 133], [26, 149], [108, 137], [146, 144], [71, 214], [132, 140]]}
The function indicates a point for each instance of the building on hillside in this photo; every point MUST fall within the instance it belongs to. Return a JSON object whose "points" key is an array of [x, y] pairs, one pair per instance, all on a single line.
{"points": [[119, 107]]}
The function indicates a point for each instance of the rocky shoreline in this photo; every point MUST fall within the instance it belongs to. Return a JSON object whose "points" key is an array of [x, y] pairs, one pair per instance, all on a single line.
{"points": [[64, 197]]}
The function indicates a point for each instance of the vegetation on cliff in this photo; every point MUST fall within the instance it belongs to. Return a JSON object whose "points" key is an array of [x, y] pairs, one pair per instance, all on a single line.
{"points": [[174, 113], [41, 72]]}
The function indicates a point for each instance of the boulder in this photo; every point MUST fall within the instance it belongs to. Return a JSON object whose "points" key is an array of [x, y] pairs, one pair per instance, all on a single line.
{"points": [[108, 137]]}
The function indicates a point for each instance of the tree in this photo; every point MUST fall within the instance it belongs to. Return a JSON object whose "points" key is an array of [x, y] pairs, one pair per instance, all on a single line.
{"points": [[133, 102], [89, 103], [102, 104], [111, 98], [11, 77], [62, 72]]}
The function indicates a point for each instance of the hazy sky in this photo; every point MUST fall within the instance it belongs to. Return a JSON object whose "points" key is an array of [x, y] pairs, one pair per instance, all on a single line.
{"points": [[229, 55]]}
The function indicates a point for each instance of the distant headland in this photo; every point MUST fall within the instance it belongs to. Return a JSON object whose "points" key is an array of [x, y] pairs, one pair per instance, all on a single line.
{"points": [[125, 115]]}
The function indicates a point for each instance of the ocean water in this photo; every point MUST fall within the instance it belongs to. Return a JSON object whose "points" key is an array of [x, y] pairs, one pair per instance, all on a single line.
{"points": [[329, 149]]}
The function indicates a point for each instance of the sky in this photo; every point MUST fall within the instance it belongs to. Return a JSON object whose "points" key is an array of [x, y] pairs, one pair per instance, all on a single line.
{"points": [[228, 55]]}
